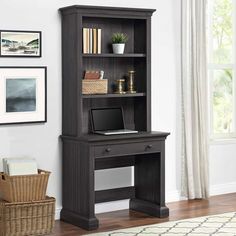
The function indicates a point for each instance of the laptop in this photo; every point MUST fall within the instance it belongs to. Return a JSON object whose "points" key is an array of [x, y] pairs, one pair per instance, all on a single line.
{"points": [[109, 121]]}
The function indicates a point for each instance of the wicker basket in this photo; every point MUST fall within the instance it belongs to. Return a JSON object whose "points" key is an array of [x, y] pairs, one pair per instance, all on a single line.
{"points": [[24, 188], [32, 218], [95, 86]]}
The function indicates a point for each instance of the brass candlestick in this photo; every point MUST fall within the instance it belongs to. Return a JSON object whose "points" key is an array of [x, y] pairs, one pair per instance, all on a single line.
{"points": [[120, 86], [130, 82]]}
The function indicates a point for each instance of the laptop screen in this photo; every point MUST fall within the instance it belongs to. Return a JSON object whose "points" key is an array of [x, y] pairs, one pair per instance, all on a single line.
{"points": [[107, 119]]}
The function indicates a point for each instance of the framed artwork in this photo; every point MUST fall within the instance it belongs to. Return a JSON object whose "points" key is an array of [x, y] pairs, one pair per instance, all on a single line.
{"points": [[20, 43], [23, 95]]}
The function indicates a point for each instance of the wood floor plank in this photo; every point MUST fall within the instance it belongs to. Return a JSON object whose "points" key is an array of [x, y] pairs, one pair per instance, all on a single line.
{"points": [[178, 210]]}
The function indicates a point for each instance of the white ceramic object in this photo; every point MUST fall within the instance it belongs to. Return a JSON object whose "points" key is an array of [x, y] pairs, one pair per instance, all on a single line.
{"points": [[118, 48]]}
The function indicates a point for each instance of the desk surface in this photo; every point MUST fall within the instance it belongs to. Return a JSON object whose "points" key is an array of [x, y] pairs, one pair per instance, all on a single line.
{"points": [[98, 137]]}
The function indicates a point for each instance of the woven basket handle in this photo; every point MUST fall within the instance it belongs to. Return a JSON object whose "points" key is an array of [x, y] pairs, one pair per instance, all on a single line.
{"points": [[3, 177]]}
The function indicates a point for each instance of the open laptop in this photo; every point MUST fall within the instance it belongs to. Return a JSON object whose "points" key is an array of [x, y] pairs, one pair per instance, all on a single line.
{"points": [[109, 121]]}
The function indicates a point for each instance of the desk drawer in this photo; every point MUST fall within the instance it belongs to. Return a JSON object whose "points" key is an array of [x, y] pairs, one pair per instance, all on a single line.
{"points": [[127, 149]]}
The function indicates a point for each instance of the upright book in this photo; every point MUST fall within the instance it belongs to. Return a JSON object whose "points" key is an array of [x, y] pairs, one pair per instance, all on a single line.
{"points": [[85, 40], [90, 40], [99, 39], [95, 41]]}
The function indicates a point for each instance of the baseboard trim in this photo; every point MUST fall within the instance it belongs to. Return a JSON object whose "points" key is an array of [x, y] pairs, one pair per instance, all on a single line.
{"points": [[112, 206], [57, 213], [223, 189], [173, 196]]}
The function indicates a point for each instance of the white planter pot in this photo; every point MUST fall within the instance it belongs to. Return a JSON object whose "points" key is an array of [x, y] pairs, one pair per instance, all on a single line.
{"points": [[118, 48]]}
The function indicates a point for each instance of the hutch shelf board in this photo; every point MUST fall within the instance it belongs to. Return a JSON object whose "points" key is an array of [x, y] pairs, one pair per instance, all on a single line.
{"points": [[115, 55], [84, 152]]}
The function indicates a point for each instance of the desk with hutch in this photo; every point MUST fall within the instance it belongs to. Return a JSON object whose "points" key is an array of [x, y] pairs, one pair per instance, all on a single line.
{"points": [[83, 152]]}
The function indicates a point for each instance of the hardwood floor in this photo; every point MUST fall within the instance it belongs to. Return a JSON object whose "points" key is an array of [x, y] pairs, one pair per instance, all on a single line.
{"points": [[178, 210]]}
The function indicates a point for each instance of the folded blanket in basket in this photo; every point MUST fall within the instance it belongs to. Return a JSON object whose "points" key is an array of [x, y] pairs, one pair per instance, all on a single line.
{"points": [[20, 166]]}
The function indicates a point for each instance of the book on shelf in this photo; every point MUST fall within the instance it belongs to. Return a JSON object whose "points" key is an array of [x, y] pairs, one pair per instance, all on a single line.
{"points": [[94, 41], [99, 35], [91, 41], [85, 40]]}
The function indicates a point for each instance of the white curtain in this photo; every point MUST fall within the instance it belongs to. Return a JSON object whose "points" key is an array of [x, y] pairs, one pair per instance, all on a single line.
{"points": [[195, 173]]}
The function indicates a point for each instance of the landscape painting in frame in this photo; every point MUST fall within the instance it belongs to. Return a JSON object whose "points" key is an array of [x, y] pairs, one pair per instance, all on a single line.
{"points": [[22, 95], [20, 44]]}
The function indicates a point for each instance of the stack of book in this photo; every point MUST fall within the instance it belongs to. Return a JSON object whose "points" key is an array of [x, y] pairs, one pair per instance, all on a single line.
{"points": [[92, 40]]}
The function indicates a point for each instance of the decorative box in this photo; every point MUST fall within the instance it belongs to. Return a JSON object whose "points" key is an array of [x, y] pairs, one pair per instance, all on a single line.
{"points": [[95, 86]]}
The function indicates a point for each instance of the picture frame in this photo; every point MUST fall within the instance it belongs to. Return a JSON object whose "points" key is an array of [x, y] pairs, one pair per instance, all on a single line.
{"points": [[17, 43], [23, 95]]}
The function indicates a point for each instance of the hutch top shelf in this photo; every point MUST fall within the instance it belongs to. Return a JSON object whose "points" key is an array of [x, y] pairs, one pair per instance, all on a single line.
{"points": [[108, 11]]}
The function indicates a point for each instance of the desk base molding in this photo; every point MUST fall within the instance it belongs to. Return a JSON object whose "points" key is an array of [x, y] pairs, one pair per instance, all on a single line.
{"points": [[77, 220], [149, 208]]}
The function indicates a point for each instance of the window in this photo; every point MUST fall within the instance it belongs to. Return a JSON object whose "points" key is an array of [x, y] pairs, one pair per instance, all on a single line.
{"points": [[222, 68]]}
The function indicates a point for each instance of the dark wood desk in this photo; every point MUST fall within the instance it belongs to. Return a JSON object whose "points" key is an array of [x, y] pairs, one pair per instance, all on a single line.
{"points": [[82, 156]]}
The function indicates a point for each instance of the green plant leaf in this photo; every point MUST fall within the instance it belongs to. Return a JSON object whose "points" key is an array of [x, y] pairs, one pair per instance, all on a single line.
{"points": [[119, 38]]}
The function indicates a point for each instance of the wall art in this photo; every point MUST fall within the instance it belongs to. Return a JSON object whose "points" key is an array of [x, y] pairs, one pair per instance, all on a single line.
{"points": [[20, 43], [23, 95]]}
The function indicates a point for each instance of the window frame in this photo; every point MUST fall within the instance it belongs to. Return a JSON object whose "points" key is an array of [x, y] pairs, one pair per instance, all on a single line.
{"points": [[213, 67]]}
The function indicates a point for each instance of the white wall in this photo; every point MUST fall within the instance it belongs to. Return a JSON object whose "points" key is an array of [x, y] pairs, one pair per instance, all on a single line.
{"points": [[41, 140], [222, 167]]}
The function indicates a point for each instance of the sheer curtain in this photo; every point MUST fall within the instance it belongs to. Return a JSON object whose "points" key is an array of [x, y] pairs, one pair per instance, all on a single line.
{"points": [[195, 173]]}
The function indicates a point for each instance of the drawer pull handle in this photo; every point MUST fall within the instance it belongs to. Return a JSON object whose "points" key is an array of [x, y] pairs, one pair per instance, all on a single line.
{"points": [[108, 149], [149, 146]]}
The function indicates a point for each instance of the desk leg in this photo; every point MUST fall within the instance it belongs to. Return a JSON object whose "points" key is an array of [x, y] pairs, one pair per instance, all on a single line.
{"points": [[78, 186], [150, 184]]}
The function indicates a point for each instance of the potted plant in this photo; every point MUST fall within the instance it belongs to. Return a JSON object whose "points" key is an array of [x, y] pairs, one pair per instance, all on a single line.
{"points": [[118, 42]]}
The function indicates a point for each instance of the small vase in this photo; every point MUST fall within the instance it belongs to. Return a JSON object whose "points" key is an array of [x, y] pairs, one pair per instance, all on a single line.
{"points": [[118, 48]]}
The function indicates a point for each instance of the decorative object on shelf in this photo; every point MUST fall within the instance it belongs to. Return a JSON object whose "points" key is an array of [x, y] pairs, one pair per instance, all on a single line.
{"points": [[130, 82], [20, 43], [23, 95], [118, 42], [93, 74], [101, 74], [120, 88], [95, 86], [92, 41]]}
